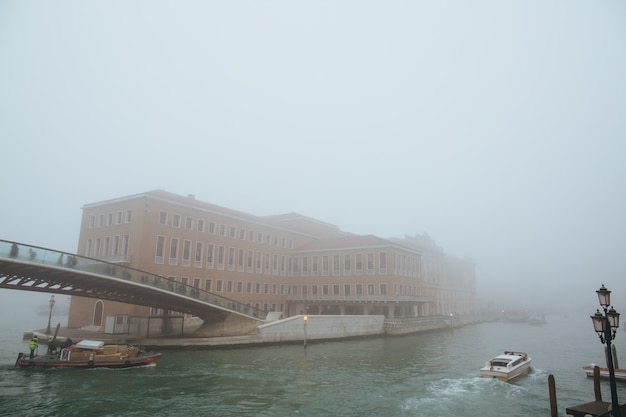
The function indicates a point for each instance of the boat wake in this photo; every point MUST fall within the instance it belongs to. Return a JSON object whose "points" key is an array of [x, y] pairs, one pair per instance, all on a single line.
{"points": [[460, 396]]}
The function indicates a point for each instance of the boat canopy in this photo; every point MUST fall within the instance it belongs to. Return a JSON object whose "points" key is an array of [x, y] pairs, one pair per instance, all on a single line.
{"points": [[89, 344]]}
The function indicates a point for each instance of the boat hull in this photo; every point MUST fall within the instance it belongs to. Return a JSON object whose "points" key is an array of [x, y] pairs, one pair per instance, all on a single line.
{"points": [[505, 375], [53, 361], [620, 374]]}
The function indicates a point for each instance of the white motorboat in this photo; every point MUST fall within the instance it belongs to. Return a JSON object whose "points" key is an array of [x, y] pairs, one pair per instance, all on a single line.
{"points": [[507, 366]]}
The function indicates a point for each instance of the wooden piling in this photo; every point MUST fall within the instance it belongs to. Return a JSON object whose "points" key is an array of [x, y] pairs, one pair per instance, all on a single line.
{"points": [[596, 383], [552, 392]]}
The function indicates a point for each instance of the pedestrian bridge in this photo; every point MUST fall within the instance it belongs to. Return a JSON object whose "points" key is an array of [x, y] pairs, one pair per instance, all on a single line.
{"points": [[32, 268]]}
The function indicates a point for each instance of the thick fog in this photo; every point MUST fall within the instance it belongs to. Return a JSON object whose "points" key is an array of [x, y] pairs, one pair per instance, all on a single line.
{"points": [[497, 127]]}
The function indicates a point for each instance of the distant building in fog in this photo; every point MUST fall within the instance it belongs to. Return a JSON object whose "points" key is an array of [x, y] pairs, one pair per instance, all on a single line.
{"points": [[288, 263]]}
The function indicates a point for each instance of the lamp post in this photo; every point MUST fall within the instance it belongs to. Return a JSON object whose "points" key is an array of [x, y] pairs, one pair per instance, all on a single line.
{"points": [[306, 318], [606, 325], [51, 302]]}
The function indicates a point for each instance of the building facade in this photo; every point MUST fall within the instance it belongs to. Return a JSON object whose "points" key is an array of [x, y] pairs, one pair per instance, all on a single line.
{"points": [[287, 263]]}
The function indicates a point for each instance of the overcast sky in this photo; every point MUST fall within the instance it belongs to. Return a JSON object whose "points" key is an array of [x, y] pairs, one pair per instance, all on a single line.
{"points": [[497, 127]]}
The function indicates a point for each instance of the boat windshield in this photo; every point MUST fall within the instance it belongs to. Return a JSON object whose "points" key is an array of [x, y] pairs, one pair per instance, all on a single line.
{"points": [[500, 362]]}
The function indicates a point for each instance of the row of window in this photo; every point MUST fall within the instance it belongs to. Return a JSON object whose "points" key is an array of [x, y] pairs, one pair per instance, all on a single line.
{"points": [[107, 246], [110, 219], [225, 230], [241, 287], [222, 258]]}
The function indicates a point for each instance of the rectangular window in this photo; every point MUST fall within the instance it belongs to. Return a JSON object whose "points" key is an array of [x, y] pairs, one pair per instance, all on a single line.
{"points": [[222, 230], [324, 289], [346, 290], [283, 260], [293, 266], [186, 252], [163, 217], [359, 290], [218, 285], [207, 285], [383, 289], [220, 256], [188, 223], [241, 260], [109, 219], [259, 237], [275, 265], [129, 216], [314, 266], [336, 265], [199, 252], [259, 263], [115, 250], [233, 232], [92, 221], [200, 224], [267, 288], [325, 265], [100, 220], [231, 259], [250, 261], [97, 248], [251, 235], [370, 289], [346, 265], [382, 262], [176, 220], [336, 289], [268, 264], [105, 246], [229, 286], [160, 250], [212, 228], [370, 263], [305, 266], [118, 217], [304, 291], [358, 264], [239, 286], [258, 288], [173, 251], [125, 243], [249, 287], [209, 255], [314, 289], [242, 234]]}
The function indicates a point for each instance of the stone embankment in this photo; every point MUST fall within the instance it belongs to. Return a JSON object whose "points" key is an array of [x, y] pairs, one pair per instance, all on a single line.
{"points": [[296, 329]]}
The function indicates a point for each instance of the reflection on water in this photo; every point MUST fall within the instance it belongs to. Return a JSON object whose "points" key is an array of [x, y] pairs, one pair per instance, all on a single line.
{"points": [[434, 374]]}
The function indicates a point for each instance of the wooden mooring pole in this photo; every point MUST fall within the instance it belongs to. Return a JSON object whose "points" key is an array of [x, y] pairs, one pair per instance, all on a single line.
{"points": [[552, 390]]}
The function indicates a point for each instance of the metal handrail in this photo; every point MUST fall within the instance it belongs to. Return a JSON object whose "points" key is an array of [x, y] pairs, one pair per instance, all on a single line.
{"points": [[60, 259]]}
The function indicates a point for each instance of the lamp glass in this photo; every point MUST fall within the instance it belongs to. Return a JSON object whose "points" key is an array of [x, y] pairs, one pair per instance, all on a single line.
{"points": [[598, 322], [613, 317], [604, 296]]}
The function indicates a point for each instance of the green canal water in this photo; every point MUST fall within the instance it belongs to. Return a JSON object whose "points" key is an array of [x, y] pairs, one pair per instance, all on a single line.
{"points": [[431, 375]]}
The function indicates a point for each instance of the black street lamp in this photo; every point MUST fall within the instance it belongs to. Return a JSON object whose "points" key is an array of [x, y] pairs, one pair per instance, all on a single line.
{"points": [[606, 325], [51, 302]]}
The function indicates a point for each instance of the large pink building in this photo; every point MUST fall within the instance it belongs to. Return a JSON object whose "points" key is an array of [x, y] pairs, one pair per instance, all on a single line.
{"points": [[287, 263]]}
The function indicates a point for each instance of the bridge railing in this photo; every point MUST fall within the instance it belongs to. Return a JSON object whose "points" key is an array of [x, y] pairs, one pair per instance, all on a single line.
{"points": [[35, 254]]}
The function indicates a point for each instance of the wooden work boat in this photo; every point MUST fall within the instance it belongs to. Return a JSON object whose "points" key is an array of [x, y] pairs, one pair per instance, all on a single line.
{"points": [[620, 374], [90, 354], [507, 366]]}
